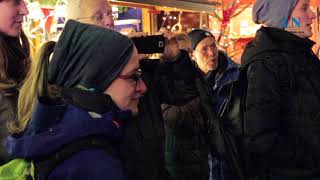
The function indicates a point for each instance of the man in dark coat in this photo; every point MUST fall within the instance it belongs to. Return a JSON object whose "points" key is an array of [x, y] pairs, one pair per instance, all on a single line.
{"points": [[282, 105], [186, 125]]}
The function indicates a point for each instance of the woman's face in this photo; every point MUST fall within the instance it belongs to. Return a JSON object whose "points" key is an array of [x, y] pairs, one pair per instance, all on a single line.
{"points": [[128, 87], [11, 16], [305, 16]]}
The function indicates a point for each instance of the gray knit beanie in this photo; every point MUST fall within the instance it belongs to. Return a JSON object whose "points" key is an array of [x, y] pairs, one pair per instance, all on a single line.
{"points": [[273, 13]]}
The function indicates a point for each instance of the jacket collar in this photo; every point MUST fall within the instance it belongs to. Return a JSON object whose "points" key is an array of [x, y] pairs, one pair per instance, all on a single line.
{"points": [[283, 39]]}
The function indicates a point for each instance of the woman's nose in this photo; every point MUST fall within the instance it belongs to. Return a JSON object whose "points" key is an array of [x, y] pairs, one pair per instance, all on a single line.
{"points": [[23, 8], [141, 86]]}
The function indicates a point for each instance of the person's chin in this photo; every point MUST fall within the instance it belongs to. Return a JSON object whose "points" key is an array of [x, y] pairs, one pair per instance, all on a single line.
{"points": [[134, 108], [212, 66], [134, 111], [14, 33], [309, 34]]}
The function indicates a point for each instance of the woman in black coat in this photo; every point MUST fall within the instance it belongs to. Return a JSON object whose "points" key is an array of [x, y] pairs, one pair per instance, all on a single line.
{"points": [[282, 119]]}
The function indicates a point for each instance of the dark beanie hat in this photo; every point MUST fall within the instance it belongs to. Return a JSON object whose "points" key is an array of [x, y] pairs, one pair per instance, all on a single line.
{"points": [[197, 35], [89, 56]]}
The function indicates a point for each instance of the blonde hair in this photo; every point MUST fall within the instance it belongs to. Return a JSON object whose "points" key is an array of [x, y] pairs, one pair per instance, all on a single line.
{"points": [[35, 84]]}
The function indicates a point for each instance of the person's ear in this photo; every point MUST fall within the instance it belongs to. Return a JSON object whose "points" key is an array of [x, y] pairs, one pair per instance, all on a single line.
{"points": [[193, 57]]}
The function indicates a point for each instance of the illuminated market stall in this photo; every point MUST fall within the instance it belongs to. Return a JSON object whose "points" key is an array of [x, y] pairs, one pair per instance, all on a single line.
{"points": [[229, 20]]}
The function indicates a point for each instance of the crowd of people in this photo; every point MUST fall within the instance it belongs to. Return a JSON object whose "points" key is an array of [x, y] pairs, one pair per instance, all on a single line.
{"points": [[127, 117]]}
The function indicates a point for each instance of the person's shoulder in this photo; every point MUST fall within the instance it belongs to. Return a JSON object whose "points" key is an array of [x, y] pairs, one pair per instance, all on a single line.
{"points": [[271, 59]]}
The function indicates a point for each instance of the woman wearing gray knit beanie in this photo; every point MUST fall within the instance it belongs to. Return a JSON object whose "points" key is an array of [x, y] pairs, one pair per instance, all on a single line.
{"points": [[281, 117]]}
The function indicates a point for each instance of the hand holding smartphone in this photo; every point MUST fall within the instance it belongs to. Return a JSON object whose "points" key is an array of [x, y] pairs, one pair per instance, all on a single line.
{"points": [[149, 44]]}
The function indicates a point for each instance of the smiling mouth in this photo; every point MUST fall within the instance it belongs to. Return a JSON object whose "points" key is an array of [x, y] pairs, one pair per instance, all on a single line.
{"points": [[137, 97], [18, 22]]}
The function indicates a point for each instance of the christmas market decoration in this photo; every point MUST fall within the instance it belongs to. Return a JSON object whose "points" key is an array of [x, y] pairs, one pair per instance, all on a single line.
{"points": [[177, 27], [44, 22], [229, 11]]}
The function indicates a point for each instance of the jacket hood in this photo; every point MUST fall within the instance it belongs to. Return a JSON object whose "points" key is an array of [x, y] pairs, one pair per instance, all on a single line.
{"points": [[274, 39], [53, 126]]}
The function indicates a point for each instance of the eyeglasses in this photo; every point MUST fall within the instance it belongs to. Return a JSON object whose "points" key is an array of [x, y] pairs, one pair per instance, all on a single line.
{"points": [[99, 16], [134, 77]]}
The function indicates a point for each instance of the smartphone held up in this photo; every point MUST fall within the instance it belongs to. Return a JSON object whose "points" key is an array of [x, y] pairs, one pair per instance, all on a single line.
{"points": [[149, 44]]}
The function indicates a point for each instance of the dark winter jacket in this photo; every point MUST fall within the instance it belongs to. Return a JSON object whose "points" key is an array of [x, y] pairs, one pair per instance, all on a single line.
{"points": [[186, 125], [282, 117], [186, 150], [143, 147], [16, 70], [54, 125], [227, 72], [8, 111]]}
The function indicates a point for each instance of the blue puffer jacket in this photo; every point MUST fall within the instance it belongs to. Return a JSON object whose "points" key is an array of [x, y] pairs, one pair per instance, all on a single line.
{"points": [[53, 126], [229, 73]]}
